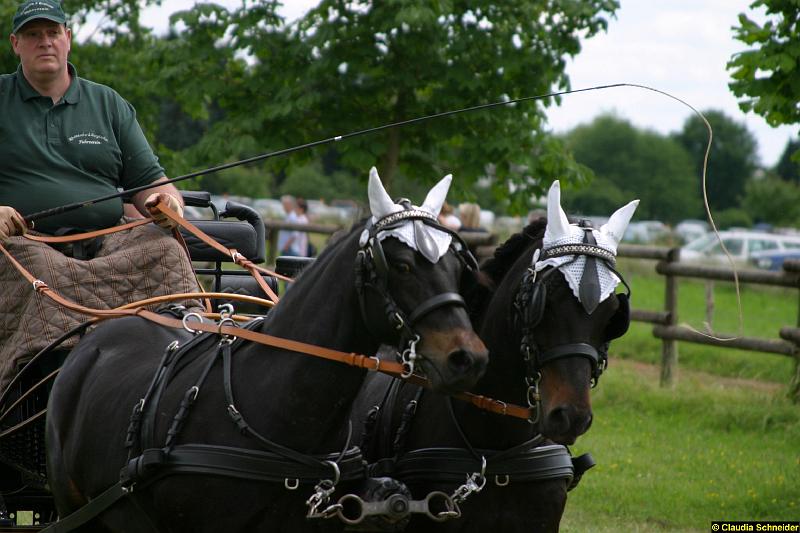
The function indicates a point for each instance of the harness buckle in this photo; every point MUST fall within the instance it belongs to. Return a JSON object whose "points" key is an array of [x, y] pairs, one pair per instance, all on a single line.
{"points": [[185, 321], [408, 358]]}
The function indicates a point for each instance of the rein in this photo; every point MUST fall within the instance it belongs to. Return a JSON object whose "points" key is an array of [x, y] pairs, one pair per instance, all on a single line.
{"points": [[228, 330]]}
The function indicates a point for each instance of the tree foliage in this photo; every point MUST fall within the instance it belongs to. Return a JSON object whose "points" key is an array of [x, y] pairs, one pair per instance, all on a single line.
{"points": [[637, 164], [379, 62], [788, 166], [765, 76], [773, 201], [731, 162]]}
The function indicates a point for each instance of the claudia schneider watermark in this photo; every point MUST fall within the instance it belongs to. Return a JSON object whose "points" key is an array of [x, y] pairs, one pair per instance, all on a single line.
{"points": [[723, 525]]}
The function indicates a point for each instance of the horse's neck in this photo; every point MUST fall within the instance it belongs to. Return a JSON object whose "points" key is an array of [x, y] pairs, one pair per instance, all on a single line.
{"points": [[321, 309], [504, 377]]}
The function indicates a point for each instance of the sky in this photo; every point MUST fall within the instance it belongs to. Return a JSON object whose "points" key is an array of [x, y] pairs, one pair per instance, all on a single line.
{"points": [[677, 46]]}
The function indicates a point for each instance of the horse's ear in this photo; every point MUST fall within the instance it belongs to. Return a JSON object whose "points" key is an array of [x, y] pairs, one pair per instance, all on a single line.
{"points": [[557, 222], [380, 203], [618, 222], [435, 199]]}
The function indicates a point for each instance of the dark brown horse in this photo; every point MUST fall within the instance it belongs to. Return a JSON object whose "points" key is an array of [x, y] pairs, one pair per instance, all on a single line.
{"points": [[228, 435], [547, 351]]}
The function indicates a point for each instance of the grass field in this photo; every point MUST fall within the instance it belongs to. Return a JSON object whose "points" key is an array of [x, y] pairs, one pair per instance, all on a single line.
{"points": [[722, 444]]}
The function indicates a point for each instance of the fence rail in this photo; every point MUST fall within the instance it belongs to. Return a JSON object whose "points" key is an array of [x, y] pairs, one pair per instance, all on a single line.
{"points": [[665, 323]]}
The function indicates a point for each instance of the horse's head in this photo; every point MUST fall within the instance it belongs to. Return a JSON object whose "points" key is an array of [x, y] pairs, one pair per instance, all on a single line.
{"points": [[407, 275], [568, 312]]}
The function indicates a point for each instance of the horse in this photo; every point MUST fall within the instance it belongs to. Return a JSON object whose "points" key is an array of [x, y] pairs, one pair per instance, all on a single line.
{"points": [[548, 338], [207, 432]]}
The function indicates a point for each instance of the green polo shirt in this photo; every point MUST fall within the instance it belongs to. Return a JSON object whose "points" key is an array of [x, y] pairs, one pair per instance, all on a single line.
{"points": [[87, 145]]}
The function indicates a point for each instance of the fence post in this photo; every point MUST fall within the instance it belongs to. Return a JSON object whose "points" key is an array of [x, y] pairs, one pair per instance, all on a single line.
{"points": [[669, 347]]}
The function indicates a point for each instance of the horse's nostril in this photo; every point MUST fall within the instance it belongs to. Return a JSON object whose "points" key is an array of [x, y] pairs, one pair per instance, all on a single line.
{"points": [[460, 361], [558, 421], [568, 420]]}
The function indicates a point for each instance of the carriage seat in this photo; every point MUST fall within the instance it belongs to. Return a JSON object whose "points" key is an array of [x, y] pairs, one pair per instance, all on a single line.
{"points": [[244, 232]]}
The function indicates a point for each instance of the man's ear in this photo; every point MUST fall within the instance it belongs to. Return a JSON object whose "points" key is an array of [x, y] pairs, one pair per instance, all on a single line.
{"points": [[13, 39]]}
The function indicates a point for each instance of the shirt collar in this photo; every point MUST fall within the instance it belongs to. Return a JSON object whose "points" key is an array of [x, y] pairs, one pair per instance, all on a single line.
{"points": [[72, 96]]}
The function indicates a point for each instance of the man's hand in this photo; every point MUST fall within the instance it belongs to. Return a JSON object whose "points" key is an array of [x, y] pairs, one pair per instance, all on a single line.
{"points": [[11, 223], [171, 202]]}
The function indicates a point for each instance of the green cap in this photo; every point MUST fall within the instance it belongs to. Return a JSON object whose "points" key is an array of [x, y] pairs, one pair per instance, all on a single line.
{"points": [[38, 9]]}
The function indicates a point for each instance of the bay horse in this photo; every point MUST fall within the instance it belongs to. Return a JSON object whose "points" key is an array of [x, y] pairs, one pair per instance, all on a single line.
{"points": [[548, 339], [215, 417]]}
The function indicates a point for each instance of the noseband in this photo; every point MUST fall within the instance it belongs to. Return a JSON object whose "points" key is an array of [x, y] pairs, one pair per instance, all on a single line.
{"points": [[529, 308], [383, 317]]}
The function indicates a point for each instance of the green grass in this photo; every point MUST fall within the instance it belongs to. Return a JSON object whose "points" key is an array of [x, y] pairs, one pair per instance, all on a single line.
{"points": [[676, 459], [722, 444]]}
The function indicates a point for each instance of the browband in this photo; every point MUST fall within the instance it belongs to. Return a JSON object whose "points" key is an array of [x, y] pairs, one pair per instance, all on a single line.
{"points": [[394, 218], [578, 249]]}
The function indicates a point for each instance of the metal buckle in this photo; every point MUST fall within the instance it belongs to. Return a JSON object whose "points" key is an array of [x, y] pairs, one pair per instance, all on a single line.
{"points": [[185, 321], [408, 358]]}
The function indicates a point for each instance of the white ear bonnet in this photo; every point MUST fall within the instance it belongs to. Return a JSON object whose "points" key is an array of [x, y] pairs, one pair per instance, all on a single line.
{"points": [[560, 232], [411, 232]]}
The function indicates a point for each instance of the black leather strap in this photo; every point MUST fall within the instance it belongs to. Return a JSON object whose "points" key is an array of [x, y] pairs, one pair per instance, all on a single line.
{"points": [[450, 464], [435, 302], [570, 350]]}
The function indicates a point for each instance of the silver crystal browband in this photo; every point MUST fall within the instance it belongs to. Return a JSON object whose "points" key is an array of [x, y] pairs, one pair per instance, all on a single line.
{"points": [[389, 220], [578, 249]]}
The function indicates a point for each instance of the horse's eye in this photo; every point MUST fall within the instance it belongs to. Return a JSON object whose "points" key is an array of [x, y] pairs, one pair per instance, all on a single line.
{"points": [[403, 268]]}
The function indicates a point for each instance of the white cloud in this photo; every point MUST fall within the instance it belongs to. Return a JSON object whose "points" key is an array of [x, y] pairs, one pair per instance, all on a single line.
{"points": [[680, 47]]}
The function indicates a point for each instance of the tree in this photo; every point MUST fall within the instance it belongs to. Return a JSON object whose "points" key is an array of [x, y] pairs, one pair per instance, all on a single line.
{"points": [[788, 167], [773, 201], [732, 159], [638, 164], [373, 63], [765, 76]]}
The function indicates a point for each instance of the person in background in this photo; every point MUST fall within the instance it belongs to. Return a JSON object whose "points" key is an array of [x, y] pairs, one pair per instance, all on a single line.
{"points": [[301, 237], [64, 140], [286, 237], [448, 219], [470, 215]]}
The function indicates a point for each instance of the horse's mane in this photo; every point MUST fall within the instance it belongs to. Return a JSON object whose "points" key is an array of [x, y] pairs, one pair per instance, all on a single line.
{"points": [[507, 253], [478, 289]]}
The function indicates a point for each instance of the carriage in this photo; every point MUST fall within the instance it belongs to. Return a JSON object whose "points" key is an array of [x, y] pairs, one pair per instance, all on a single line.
{"points": [[365, 448]]}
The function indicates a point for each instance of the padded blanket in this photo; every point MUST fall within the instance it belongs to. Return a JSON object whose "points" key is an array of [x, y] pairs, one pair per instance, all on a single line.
{"points": [[129, 266]]}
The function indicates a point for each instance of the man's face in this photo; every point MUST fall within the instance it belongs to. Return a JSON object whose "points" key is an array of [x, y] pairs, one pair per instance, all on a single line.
{"points": [[42, 46]]}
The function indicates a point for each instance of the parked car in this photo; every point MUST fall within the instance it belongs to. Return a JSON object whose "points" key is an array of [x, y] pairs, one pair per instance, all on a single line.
{"points": [[742, 245], [689, 230], [773, 259], [645, 231]]}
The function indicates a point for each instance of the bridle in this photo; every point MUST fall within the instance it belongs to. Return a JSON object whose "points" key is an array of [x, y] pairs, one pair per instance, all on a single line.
{"points": [[528, 309], [379, 310]]}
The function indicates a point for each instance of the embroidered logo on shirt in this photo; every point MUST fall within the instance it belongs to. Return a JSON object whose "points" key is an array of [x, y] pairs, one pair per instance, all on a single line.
{"points": [[88, 138]]}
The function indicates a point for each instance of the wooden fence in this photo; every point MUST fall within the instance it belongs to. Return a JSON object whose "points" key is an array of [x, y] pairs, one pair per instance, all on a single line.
{"points": [[480, 242], [665, 322]]}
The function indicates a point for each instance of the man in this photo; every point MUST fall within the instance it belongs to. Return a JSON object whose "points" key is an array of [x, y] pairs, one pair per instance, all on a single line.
{"points": [[64, 139]]}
